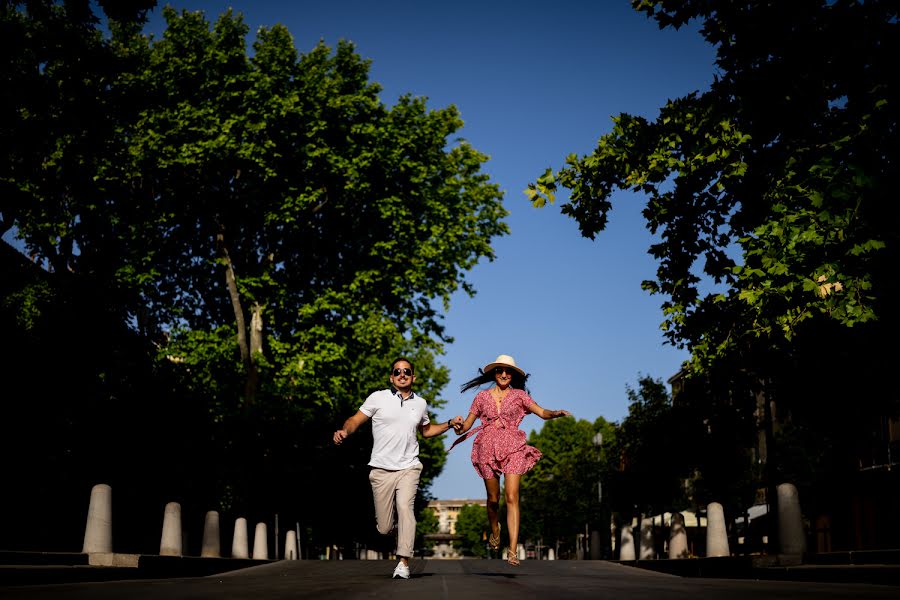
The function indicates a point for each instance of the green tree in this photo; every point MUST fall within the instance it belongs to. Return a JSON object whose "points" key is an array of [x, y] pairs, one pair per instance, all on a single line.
{"points": [[80, 376], [560, 495], [472, 524], [647, 459], [785, 160], [274, 230], [770, 196]]}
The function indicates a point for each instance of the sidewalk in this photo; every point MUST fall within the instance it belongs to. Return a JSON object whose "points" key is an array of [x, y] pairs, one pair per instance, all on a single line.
{"points": [[448, 580], [29, 568], [870, 566], [33, 568]]}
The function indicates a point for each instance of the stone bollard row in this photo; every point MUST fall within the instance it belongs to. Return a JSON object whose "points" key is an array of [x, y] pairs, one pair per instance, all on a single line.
{"points": [[98, 532], [791, 535]]}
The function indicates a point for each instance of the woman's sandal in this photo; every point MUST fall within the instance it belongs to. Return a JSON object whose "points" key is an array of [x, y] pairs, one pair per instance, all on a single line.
{"points": [[494, 541], [512, 559]]}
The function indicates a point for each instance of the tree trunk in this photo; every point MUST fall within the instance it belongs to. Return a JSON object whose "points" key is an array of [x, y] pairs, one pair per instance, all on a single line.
{"points": [[240, 322], [256, 329]]}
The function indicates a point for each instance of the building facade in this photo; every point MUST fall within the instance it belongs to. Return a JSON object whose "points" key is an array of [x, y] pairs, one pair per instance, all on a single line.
{"points": [[447, 512]]}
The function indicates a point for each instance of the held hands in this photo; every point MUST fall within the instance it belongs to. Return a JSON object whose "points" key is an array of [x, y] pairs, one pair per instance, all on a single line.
{"points": [[457, 424]]}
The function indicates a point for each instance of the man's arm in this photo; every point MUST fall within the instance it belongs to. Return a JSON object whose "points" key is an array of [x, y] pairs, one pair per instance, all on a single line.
{"points": [[433, 429], [350, 425]]}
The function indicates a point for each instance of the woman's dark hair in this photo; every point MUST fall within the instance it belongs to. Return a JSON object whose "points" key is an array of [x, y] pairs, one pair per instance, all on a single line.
{"points": [[518, 380]]}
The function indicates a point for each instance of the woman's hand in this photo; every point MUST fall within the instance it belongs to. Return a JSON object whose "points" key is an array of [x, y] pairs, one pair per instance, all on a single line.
{"points": [[555, 414], [457, 424]]}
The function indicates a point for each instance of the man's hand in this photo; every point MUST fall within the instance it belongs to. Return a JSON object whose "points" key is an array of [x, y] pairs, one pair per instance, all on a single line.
{"points": [[350, 425], [340, 435], [457, 424]]}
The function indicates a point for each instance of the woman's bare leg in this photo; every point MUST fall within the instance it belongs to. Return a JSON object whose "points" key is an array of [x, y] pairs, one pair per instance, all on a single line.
{"points": [[512, 510], [492, 487]]}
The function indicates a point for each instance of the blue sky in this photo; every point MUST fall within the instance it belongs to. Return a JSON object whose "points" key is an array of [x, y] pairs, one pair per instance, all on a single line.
{"points": [[534, 81]]}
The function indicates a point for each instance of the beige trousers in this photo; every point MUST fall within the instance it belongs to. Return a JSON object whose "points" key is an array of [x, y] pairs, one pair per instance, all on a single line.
{"points": [[395, 491]]}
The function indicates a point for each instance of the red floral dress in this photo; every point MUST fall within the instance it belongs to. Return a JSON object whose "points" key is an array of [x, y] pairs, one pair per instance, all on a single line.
{"points": [[500, 445]]}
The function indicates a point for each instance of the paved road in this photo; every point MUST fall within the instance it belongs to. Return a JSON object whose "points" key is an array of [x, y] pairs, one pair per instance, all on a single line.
{"points": [[451, 580]]}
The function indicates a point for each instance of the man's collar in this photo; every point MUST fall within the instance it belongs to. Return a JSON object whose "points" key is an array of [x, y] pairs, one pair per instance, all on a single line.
{"points": [[396, 392]]}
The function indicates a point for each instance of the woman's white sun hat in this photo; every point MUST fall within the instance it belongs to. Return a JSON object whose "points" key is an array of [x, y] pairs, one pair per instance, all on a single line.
{"points": [[503, 360]]}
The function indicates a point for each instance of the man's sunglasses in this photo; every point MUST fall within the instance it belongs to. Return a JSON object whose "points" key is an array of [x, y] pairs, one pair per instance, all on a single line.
{"points": [[407, 372], [501, 370]]}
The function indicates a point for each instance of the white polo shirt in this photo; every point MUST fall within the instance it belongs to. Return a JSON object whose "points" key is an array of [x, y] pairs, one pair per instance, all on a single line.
{"points": [[394, 425]]}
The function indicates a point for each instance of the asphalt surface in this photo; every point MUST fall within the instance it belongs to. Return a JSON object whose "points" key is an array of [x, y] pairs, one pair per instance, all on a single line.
{"points": [[445, 579]]}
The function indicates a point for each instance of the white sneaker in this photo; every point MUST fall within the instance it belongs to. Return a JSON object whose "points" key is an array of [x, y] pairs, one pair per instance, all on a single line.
{"points": [[401, 571]]}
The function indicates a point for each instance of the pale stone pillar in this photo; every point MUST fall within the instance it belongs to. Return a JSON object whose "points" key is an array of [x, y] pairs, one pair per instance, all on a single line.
{"points": [[791, 539], [595, 545], [613, 537], [290, 546], [170, 543], [551, 555], [520, 551], [211, 545], [239, 540], [648, 550], [678, 546], [261, 542], [626, 547], [98, 530], [716, 532]]}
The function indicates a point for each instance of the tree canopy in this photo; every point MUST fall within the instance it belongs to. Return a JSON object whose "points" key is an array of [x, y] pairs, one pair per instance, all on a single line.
{"points": [[772, 185], [472, 524], [270, 231], [769, 198], [561, 494]]}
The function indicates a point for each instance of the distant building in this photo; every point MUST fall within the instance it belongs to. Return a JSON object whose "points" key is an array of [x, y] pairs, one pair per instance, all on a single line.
{"points": [[447, 511]]}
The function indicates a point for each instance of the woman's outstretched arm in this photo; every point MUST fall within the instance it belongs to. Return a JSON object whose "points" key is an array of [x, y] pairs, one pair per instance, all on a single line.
{"points": [[547, 414]]}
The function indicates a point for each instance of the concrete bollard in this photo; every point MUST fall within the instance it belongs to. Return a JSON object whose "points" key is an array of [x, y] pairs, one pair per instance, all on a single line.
{"points": [[239, 541], [170, 543], [290, 546], [211, 547], [716, 532], [98, 530], [261, 543], [678, 546], [626, 545], [551, 555], [596, 550], [647, 546], [791, 538]]}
